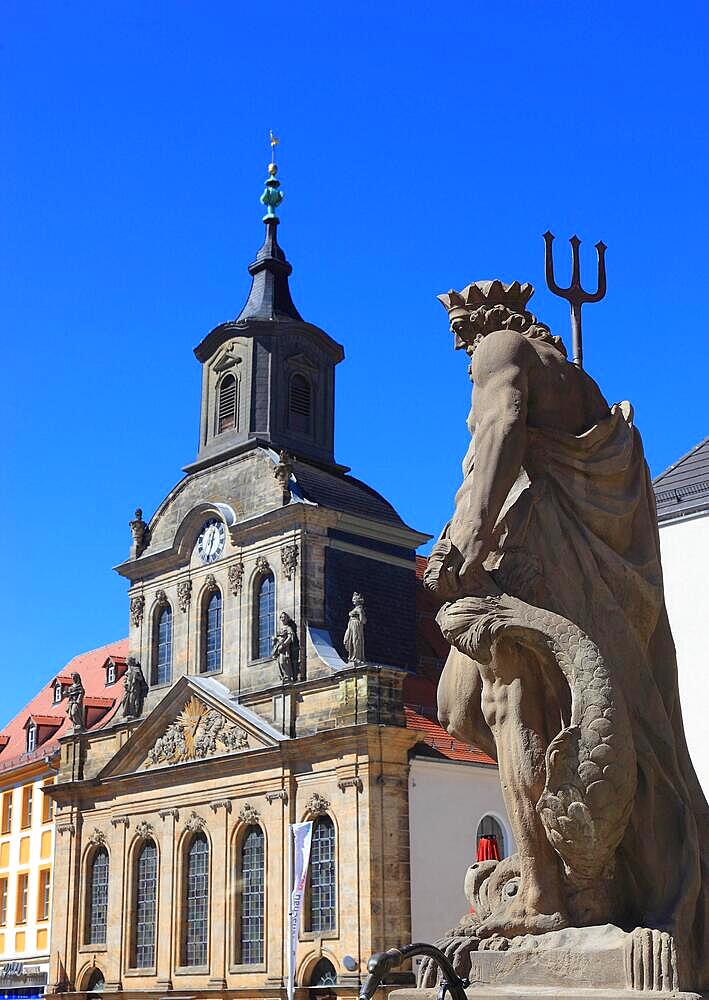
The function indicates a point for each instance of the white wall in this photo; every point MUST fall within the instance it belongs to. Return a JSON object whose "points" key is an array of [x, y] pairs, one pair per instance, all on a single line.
{"points": [[684, 546], [447, 800]]}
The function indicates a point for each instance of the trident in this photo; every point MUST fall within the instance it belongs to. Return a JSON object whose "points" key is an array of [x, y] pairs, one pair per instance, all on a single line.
{"points": [[574, 294]]}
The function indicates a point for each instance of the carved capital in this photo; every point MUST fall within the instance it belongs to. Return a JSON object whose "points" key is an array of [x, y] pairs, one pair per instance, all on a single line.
{"points": [[317, 805], [120, 821], [289, 559], [236, 577], [67, 827], [161, 598], [164, 813], [195, 823], [184, 594], [220, 804], [210, 582], [248, 815], [137, 607], [344, 783], [281, 794], [97, 837], [263, 565], [144, 829]]}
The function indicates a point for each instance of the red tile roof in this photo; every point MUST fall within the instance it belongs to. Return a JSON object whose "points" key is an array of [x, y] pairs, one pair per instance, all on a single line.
{"points": [[64, 679], [93, 677], [46, 720], [92, 701], [435, 736]]}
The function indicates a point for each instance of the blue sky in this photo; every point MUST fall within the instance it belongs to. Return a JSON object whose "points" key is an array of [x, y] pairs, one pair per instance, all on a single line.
{"points": [[423, 146]]}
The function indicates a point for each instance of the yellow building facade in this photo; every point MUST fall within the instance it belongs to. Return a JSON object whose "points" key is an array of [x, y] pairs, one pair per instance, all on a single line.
{"points": [[26, 863]]}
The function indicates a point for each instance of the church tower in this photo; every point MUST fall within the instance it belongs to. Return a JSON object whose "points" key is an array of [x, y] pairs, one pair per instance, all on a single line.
{"points": [[265, 521], [268, 377]]}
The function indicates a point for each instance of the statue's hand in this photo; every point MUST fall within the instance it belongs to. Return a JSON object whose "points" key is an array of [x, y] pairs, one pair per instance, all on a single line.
{"points": [[450, 575]]}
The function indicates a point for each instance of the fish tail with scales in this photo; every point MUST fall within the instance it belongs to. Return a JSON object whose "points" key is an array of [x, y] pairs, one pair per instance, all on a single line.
{"points": [[590, 764]]}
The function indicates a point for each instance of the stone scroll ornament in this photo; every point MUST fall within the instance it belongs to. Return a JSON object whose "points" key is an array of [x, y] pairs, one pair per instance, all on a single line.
{"points": [[562, 665]]}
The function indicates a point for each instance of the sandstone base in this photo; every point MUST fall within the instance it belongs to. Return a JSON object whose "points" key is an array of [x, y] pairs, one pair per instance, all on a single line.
{"points": [[603, 963]]}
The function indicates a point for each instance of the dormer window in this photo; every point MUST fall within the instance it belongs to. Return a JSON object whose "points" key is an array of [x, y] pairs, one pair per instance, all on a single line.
{"points": [[58, 693], [31, 737], [110, 673], [227, 403], [300, 397]]}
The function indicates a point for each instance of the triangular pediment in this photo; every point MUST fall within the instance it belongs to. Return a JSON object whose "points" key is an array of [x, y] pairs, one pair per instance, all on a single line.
{"points": [[197, 720]]}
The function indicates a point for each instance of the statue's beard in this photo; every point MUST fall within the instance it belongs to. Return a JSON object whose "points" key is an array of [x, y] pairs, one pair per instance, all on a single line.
{"points": [[470, 348]]}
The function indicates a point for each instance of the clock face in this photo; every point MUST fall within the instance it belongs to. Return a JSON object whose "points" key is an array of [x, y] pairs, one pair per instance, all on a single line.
{"points": [[210, 543]]}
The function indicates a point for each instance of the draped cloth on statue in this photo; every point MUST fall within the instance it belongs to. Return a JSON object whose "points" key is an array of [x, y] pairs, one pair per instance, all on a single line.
{"points": [[578, 536]]}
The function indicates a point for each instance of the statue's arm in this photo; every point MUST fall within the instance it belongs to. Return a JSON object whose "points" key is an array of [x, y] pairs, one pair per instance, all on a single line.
{"points": [[500, 374]]}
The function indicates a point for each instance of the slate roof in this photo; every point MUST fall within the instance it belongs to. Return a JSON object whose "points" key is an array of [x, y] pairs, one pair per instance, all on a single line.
{"points": [[344, 493], [13, 740], [684, 488]]}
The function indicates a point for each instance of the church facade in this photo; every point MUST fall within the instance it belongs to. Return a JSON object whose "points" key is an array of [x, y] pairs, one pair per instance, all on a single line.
{"points": [[272, 609]]}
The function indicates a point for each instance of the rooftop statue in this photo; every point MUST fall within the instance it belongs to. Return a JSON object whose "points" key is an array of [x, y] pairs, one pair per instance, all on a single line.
{"points": [[562, 664]]}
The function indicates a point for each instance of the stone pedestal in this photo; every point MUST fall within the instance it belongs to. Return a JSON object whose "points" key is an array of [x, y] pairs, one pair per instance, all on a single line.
{"points": [[592, 962]]}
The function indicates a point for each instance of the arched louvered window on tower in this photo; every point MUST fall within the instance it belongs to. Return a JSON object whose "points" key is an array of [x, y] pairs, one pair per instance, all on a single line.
{"points": [[300, 402], [97, 897], [196, 903], [322, 894], [212, 633], [253, 870], [227, 403], [162, 647], [265, 617], [146, 892]]}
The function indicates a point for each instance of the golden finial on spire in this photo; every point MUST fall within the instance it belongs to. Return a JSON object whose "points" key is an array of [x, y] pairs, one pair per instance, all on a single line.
{"points": [[274, 140]]}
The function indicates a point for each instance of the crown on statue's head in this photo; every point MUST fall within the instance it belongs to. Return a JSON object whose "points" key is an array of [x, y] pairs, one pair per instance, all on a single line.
{"points": [[487, 294]]}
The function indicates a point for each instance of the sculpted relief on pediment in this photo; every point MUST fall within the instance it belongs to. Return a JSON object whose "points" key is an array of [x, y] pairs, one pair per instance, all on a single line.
{"points": [[197, 732]]}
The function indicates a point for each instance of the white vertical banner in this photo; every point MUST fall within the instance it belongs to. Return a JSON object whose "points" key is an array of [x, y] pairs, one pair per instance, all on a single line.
{"points": [[299, 844]]}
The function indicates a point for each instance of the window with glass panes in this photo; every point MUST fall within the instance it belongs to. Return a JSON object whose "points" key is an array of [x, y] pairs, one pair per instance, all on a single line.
{"points": [[44, 894], [3, 901], [26, 807], [252, 896], [322, 876], [196, 930], [31, 738], [98, 898], [162, 671], [265, 616], [7, 812], [22, 894], [146, 886], [213, 633]]}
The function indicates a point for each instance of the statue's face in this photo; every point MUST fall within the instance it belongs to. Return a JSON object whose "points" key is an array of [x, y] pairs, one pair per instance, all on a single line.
{"points": [[284, 617]]}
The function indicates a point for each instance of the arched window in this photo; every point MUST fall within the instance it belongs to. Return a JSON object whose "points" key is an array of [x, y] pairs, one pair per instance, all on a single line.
{"points": [[162, 646], [322, 897], [146, 891], [96, 982], [97, 888], [196, 930], [300, 399], [253, 869], [490, 840], [323, 974], [212, 633], [265, 618], [227, 404]]}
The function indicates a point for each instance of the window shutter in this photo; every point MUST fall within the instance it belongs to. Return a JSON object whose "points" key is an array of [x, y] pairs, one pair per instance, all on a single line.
{"points": [[226, 415]]}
